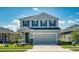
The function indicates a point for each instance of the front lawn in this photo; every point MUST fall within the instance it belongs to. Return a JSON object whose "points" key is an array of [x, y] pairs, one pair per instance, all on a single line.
{"points": [[73, 48], [13, 48]]}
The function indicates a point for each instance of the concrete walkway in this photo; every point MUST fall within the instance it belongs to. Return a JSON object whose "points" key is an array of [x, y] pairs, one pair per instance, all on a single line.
{"points": [[48, 48]]}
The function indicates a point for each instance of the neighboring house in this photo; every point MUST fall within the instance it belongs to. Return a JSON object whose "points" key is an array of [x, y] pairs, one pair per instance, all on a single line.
{"points": [[42, 28], [66, 33], [5, 35]]}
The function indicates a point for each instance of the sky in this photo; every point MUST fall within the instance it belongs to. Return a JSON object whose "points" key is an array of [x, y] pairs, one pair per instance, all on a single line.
{"points": [[9, 15]]}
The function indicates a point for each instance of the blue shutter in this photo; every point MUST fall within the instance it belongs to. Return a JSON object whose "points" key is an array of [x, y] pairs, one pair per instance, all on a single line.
{"points": [[23, 23], [54, 22], [40, 22]]}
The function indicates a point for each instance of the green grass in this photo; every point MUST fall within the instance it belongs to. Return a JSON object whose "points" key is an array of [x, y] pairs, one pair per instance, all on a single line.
{"points": [[73, 48], [67, 46], [13, 48]]}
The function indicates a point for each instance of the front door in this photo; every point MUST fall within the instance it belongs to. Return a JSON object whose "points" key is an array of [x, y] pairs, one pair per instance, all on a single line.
{"points": [[27, 37]]}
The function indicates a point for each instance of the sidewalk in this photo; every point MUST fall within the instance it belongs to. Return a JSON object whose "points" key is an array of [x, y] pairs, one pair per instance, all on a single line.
{"points": [[48, 48]]}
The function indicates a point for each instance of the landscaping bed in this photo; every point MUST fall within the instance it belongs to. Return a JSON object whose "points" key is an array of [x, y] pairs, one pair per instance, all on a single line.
{"points": [[68, 45], [13, 48]]}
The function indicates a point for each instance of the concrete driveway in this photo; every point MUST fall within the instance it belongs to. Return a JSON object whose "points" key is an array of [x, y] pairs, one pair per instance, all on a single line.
{"points": [[48, 48]]}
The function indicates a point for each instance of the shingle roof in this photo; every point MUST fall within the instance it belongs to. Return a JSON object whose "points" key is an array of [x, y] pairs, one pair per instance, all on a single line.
{"points": [[71, 28], [40, 16], [5, 30]]}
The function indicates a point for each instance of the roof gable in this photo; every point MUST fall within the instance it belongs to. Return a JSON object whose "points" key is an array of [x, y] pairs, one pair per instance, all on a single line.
{"points": [[44, 16]]}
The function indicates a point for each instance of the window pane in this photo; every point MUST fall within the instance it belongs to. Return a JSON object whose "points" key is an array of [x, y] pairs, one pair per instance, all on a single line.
{"points": [[35, 23], [54, 22], [43, 23], [26, 23], [51, 23]]}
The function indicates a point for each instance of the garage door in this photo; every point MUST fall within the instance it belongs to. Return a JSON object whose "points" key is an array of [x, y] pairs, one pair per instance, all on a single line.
{"points": [[44, 39]]}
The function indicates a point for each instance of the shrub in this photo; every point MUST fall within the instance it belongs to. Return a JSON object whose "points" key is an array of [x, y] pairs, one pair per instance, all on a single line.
{"points": [[64, 43], [31, 41]]}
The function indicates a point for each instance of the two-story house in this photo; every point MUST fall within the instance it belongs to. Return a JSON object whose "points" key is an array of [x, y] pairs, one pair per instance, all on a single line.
{"points": [[42, 28]]}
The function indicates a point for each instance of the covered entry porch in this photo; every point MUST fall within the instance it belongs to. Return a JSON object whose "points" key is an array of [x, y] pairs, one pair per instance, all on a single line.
{"points": [[26, 35], [5, 37]]}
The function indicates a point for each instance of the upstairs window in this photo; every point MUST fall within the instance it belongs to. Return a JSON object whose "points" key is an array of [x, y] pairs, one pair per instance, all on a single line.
{"points": [[26, 23], [43, 23], [52, 23], [35, 23]]}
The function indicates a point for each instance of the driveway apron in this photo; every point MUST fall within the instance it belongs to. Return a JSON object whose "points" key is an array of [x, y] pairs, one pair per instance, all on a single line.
{"points": [[48, 48]]}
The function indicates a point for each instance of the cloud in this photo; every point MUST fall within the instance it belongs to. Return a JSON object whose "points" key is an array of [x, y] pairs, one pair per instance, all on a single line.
{"points": [[15, 24], [70, 16], [77, 19], [77, 12], [71, 21], [21, 16], [62, 22], [35, 9]]}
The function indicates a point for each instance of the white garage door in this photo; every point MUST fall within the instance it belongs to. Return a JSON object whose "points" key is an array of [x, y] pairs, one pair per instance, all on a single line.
{"points": [[44, 39]]}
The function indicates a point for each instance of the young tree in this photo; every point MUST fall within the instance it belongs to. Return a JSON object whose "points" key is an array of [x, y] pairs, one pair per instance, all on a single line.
{"points": [[18, 37]]}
